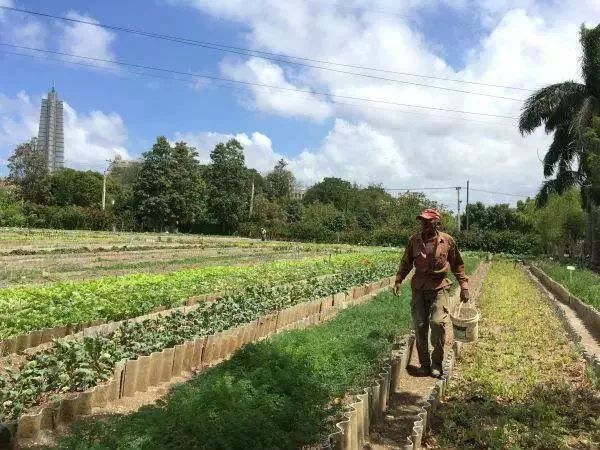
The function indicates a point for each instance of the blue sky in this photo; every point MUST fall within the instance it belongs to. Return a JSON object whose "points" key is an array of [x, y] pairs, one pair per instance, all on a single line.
{"points": [[112, 111]]}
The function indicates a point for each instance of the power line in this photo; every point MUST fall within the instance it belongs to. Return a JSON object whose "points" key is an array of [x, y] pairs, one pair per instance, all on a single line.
{"points": [[421, 189], [283, 58], [336, 102], [500, 193], [249, 83]]}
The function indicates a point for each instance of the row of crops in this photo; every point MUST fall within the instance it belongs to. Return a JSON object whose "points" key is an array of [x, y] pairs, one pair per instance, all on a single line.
{"points": [[282, 393], [523, 384], [272, 394], [24, 309], [79, 364]]}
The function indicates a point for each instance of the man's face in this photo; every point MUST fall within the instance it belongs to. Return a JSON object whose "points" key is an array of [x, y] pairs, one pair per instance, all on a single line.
{"points": [[427, 226]]}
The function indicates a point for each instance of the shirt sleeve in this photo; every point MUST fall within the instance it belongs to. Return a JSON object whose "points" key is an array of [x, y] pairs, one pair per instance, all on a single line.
{"points": [[458, 266], [406, 264]]}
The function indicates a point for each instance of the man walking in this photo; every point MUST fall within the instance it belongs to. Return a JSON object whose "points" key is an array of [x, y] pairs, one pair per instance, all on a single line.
{"points": [[433, 254]]}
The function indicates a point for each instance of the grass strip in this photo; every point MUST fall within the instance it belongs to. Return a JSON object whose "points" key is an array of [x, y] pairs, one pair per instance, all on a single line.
{"points": [[272, 394], [582, 283], [523, 384]]}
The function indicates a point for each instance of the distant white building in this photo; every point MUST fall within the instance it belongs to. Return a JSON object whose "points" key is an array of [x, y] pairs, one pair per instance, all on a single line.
{"points": [[51, 139]]}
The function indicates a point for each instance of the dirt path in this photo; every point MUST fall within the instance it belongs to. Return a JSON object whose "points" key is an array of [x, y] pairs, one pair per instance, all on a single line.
{"points": [[588, 342], [403, 406]]}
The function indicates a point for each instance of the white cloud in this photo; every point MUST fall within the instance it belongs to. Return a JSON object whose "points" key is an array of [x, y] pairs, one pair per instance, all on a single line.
{"points": [[90, 139], [87, 40], [527, 44], [353, 151], [17, 29], [258, 148], [283, 101]]}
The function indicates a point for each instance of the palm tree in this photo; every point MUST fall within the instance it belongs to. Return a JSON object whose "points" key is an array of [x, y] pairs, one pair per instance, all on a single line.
{"points": [[567, 110]]}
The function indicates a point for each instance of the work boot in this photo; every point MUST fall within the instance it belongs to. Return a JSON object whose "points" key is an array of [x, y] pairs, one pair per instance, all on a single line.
{"points": [[422, 371], [436, 372]]}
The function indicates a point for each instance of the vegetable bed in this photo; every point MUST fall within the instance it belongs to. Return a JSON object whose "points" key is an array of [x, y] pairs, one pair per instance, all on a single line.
{"points": [[584, 283], [78, 364], [280, 393], [27, 309], [523, 384], [272, 394]]}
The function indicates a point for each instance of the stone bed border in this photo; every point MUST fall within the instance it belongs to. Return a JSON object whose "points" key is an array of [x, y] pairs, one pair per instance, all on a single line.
{"points": [[28, 342], [137, 375], [367, 407], [553, 292]]}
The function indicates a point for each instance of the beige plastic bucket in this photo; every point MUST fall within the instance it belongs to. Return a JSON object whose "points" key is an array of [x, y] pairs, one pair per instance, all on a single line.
{"points": [[465, 324]]}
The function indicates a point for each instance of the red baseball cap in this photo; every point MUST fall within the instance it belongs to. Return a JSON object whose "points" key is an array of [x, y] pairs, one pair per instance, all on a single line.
{"points": [[429, 214]]}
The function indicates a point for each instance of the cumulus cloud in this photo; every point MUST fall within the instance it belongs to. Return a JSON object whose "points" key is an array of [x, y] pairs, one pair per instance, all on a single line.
{"points": [[90, 138], [88, 40], [526, 44], [283, 101], [258, 148], [18, 29]]}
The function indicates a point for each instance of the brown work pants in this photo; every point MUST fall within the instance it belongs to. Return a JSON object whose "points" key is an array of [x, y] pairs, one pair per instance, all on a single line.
{"points": [[429, 309]]}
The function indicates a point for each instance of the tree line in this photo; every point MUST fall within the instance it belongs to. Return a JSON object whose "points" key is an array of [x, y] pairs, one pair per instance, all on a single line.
{"points": [[168, 189]]}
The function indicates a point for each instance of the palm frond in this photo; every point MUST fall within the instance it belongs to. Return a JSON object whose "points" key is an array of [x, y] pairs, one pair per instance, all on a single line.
{"points": [[562, 147], [565, 180], [590, 67], [543, 103], [582, 119], [566, 109]]}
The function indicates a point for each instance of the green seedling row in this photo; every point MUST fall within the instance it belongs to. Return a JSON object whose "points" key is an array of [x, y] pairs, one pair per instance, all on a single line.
{"points": [[80, 364], [24, 309]]}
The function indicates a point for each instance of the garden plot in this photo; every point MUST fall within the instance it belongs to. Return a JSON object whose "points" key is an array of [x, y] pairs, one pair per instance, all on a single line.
{"points": [[76, 266], [523, 384], [28, 309], [275, 394], [80, 364]]}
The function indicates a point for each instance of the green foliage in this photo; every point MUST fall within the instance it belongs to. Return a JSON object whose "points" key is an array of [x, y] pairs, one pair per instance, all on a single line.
{"points": [[70, 187], [279, 182], [511, 242], [582, 283], [27, 169], [567, 109], [168, 188], [561, 223], [26, 309], [521, 385], [66, 217], [80, 363], [499, 217], [272, 394], [11, 208], [226, 178]]}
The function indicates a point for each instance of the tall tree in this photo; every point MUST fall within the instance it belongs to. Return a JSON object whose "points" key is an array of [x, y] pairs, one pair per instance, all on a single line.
{"points": [[168, 189], [279, 183], [226, 179], [27, 169], [331, 190], [566, 109]]}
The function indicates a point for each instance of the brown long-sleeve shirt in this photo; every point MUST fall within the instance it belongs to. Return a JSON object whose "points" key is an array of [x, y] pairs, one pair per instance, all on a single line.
{"points": [[432, 262]]}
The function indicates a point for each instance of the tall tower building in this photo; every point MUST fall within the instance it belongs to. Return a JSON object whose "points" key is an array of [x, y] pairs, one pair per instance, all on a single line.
{"points": [[51, 138]]}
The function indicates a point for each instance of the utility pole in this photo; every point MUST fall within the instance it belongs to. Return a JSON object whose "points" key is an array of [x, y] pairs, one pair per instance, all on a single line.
{"points": [[458, 188], [110, 161], [251, 198], [467, 207], [104, 191]]}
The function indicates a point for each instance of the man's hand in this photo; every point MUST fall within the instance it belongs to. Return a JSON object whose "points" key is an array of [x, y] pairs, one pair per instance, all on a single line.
{"points": [[464, 295], [397, 289]]}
